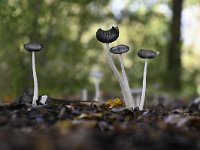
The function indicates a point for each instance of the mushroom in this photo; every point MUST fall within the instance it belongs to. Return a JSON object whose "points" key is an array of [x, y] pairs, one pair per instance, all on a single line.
{"points": [[136, 92], [108, 36], [120, 49], [97, 75], [145, 54], [34, 47]]}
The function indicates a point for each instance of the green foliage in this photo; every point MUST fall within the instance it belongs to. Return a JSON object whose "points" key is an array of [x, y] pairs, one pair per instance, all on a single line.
{"points": [[67, 30], [62, 67]]}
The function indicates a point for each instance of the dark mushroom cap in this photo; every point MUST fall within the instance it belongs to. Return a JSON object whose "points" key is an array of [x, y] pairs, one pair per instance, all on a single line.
{"points": [[119, 49], [107, 36], [33, 47], [147, 54]]}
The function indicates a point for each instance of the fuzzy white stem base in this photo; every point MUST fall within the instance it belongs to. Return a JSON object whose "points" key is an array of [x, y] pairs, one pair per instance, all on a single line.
{"points": [[118, 76], [35, 94], [144, 86], [124, 76]]}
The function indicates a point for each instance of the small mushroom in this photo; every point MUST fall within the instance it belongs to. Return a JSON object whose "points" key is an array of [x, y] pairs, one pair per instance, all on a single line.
{"points": [[97, 75], [34, 47], [136, 92], [145, 54], [120, 49], [107, 36]]}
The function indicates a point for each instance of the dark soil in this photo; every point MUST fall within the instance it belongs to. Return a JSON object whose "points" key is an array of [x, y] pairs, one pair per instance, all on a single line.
{"points": [[63, 125]]}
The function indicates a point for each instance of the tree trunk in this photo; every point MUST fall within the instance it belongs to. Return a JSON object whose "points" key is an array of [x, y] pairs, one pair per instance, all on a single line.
{"points": [[174, 51]]}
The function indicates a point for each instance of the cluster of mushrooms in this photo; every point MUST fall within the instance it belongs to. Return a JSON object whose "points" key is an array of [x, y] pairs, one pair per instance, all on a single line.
{"points": [[104, 36], [109, 36]]}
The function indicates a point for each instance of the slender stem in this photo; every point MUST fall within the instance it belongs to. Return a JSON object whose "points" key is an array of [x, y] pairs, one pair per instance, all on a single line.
{"points": [[35, 95], [144, 86], [97, 92], [124, 76], [118, 76]]}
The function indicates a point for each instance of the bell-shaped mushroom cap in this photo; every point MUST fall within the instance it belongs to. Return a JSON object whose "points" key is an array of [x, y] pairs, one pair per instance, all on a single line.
{"points": [[147, 54], [33, 47], [107, 36], [119, 49]]}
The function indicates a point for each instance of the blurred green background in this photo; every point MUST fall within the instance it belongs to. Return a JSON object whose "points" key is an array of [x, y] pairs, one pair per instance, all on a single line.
{"points": [[67, 29]]}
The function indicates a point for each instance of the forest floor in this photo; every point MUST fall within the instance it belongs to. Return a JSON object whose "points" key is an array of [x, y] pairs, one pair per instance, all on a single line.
{"points": [[90, 126]]}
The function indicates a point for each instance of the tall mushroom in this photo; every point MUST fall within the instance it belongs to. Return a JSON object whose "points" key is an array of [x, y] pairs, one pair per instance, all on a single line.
{"points": [[120, 49], [34, 47], [108, 36], [145, 54]]}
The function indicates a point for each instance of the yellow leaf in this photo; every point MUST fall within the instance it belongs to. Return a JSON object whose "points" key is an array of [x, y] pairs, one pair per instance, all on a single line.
{"points": [[110, 103]]}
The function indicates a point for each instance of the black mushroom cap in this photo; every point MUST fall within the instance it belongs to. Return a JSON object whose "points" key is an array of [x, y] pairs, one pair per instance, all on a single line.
{"points": [[33, 47], [147, 54], [107, 36], [119, 49]]}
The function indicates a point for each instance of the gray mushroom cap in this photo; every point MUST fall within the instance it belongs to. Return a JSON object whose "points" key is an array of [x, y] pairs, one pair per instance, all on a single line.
{"points": [[147, 54], [119, 49], [33, 47], [107, 36]]}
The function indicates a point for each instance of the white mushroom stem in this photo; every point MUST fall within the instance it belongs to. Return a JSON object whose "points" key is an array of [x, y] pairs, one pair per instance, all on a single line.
{"points": [[124, 76], [97, 92], [84, 94], [118, 76], [144, 86], [35, 95]]}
